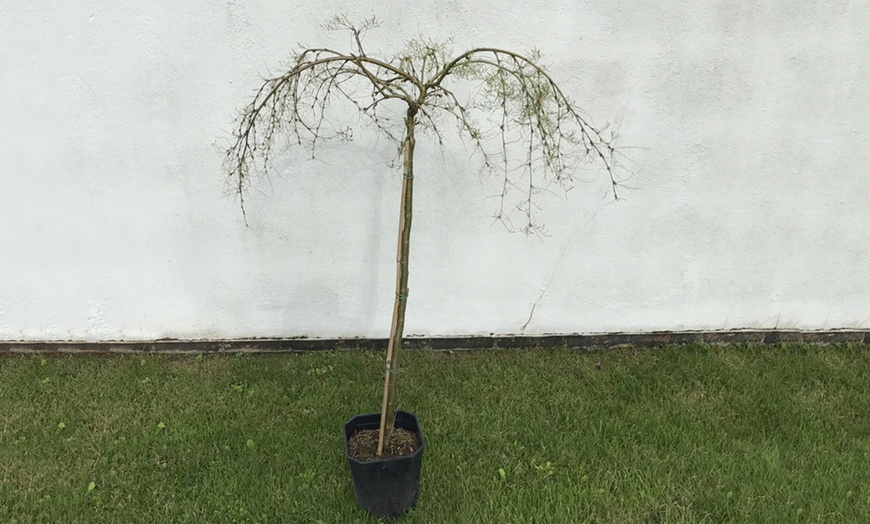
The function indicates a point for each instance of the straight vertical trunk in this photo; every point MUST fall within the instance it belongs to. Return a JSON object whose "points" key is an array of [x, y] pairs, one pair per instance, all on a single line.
{"points": [[394, 349]]}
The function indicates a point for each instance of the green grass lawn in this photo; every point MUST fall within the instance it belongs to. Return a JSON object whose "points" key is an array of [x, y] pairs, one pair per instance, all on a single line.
{"points": [[678, 434]]}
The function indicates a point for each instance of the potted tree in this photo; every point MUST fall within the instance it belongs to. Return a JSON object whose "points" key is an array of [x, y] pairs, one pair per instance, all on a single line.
{"points": [[531, 115]]}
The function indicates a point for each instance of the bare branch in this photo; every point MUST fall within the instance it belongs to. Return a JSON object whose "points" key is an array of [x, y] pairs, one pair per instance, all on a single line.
{"points": [[530, 107]]}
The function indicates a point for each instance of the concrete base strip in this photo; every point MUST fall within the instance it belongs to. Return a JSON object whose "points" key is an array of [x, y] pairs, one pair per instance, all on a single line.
{"points": [[576, 341]]}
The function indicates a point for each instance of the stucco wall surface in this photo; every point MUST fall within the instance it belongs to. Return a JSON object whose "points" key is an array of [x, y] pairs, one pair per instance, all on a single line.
{"points": [[744, 125]]}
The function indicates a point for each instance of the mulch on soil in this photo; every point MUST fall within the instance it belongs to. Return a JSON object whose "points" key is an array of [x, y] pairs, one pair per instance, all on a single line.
{"points": [[363, 445]]}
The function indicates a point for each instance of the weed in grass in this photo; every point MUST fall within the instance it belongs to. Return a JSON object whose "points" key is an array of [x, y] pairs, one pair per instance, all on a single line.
{"points": [[545, 469], [321, 370]]}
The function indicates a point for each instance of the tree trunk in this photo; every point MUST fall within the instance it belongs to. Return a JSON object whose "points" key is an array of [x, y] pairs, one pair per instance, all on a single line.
{"points": [[394, 349]]}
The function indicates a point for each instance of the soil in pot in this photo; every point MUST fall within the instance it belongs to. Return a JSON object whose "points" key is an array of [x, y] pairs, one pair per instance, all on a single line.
{"points": [[363, 445]]}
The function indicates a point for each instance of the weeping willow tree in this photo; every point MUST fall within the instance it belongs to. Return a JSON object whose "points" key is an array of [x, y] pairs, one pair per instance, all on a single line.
{"points": [[521, 124]]}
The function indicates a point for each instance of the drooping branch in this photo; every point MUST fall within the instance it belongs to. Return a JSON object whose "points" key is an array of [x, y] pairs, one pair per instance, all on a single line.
{"points": [[514, 91], [529, 107], [294, 105]]}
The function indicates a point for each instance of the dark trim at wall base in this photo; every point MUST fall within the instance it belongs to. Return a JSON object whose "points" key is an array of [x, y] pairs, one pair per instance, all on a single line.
{"points": [[577, 341]]}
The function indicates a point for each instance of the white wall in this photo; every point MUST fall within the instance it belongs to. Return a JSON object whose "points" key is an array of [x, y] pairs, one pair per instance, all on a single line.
{"points": [[748, 208]]}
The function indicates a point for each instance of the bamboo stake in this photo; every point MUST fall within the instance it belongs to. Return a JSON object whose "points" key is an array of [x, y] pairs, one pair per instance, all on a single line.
{"points": [[394, 348]]}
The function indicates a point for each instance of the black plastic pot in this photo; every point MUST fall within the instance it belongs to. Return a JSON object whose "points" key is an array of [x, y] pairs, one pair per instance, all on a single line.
{"points": [[385, 487]]}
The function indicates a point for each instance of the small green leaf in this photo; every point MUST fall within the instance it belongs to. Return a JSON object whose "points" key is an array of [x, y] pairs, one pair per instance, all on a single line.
{"points": [[501, 473], [250, 443], [91, 486], [161, 425], [61, 425], [42, 362]]}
